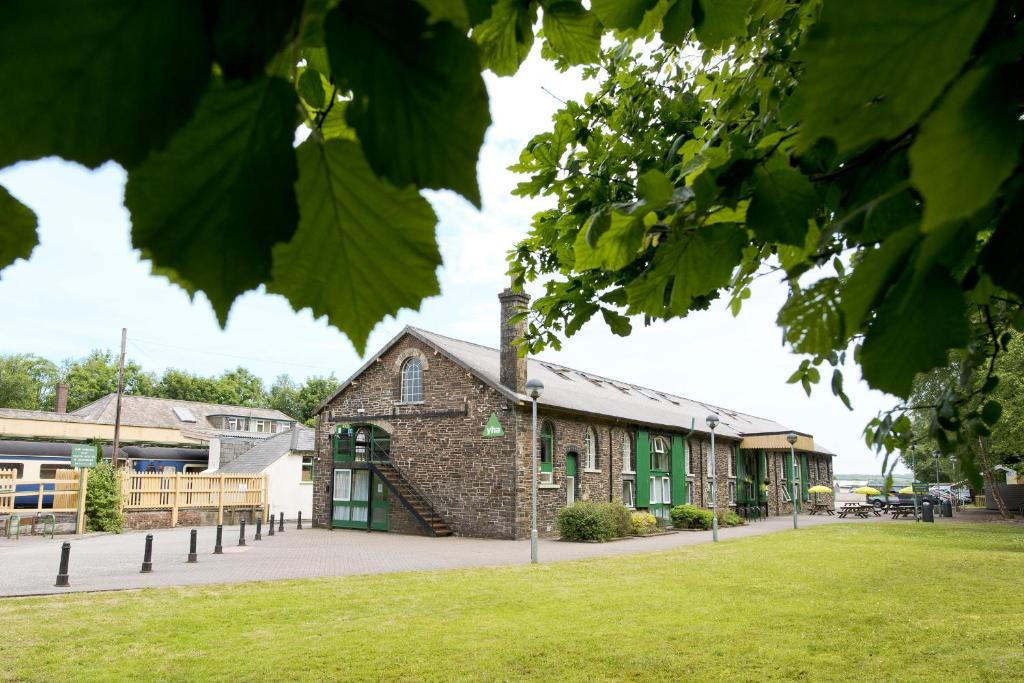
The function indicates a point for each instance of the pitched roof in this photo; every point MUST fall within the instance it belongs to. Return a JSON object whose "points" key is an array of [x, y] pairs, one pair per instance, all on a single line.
{"points": [[586, 392], [147, 411], [267, 452]]}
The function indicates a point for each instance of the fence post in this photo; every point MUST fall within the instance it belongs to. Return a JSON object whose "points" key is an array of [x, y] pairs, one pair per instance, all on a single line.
{"points": [[174, 505], [241, 532], [220, 502], [281, 525], [192, 555], [218, 548], [62, 571], [83, 487], [147, 557]]}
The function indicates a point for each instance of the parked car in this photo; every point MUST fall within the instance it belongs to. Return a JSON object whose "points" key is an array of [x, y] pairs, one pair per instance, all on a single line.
{"points": [[882, 500], [894, 498]]}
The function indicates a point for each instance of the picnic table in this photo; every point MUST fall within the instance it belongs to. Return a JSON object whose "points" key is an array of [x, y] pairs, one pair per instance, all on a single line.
{"points": [[859, 510], [818, 508], [902, 511]]}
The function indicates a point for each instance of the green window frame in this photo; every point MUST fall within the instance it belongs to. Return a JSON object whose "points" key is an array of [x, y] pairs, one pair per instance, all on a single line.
{"points": [[547, 451]]}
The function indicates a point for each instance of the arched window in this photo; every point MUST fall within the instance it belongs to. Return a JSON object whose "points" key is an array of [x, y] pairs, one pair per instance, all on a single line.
{"points": [[628, 457], [412, 381], [362, 445], [590, 448], [660, 454]]}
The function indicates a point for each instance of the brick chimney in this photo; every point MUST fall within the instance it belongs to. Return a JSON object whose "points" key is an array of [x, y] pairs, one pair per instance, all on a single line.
{"points": [[62, 398], [513, 365]]}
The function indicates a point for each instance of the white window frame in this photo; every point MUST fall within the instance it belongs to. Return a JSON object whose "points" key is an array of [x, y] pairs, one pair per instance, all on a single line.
{"points": [[732, 465], [786, 496], [304, 467], [590, 450], [235, 424], [732, 492], [629, 485], [627, 454], [688, 460], [260, 426], [660, 446], [412, 386], [666, 490], [345, 490], [655, 492]]}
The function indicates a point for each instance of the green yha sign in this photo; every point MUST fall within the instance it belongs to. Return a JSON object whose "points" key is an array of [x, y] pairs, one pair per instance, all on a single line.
{"points": [[493, 427]]}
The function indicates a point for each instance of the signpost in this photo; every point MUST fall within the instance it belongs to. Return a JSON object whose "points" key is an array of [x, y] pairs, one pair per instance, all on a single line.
{"points": [[493, 427], [83, 458], [920, 487]]}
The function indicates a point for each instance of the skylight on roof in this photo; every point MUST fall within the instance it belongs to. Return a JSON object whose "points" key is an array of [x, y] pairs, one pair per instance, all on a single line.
{"points": [[184, 414]]}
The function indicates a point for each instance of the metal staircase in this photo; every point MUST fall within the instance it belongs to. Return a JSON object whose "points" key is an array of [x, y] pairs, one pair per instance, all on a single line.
{"points": [[411, 498]]}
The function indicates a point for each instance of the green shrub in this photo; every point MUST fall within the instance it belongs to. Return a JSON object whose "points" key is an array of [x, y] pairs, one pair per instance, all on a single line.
{"points": [[620, 517], [586, 521], [103, 500], [691, 517], [729, 518], [643, 523]]}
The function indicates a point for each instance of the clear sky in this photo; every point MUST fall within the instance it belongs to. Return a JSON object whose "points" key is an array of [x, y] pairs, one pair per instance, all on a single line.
{"points": [[85, 282]]}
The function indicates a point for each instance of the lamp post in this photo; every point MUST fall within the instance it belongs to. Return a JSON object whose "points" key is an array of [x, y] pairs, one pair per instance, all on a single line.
{"points": [[791, 438], [712, 421], [534, 388]]}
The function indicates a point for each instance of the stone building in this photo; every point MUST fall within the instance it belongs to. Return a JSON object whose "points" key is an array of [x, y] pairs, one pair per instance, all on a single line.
{"points": [[433, 435]]}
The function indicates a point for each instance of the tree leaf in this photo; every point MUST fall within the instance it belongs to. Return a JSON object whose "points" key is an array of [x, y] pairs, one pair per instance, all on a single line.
{"points": [[17, 229], [655, 189], [617, 323], [1001, 255], [783, 202], [872, 277], [311, 88], [506, 38], [677, 22], [247, 33], [212, 204], [621, 14], [572, 31], [991, 412], [966, 148], [874, 66], [420, 106], [719, 20], [620, 244], [914, 328], [93, 81], [811, 319], [371, 245]]}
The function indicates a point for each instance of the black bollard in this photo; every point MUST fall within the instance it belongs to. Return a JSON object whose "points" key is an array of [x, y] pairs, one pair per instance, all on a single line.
{"points": [[241, 533], [192, 556], [259, 528], [218, 549], [299, 525], [147, 557], [271, 525], [62, 572], [280, 527]]}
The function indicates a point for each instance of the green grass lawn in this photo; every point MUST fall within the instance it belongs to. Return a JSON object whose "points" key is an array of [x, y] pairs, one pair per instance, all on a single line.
{"points": [[866, 602]]}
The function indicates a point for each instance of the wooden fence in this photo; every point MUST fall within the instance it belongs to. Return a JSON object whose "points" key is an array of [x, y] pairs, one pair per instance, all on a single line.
{"points": [[178, 491], [63, 490]]}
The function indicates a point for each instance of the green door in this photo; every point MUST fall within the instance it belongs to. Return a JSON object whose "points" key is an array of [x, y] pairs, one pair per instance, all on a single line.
{"points": [[570, 479], [379, 504]]}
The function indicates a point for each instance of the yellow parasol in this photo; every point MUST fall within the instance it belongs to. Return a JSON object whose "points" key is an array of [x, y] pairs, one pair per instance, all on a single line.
{"points": [[866, 490]]}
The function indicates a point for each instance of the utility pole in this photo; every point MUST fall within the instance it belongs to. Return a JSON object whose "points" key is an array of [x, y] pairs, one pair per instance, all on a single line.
{"points": [[120, 391]]}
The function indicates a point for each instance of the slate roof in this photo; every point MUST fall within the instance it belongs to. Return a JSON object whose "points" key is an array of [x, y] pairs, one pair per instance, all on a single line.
{"points": [[586, 392], [146, 411], [266, 453]]}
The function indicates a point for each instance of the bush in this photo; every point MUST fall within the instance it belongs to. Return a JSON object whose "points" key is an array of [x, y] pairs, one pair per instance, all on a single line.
{"points": [[621, 518], [586, 521], [691, 517], [643, 523], [729, 518], [103, 500]]}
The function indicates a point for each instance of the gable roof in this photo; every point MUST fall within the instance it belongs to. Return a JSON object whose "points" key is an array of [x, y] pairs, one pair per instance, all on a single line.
{"points": [[147, 411], [585, 392], [267, 452]]}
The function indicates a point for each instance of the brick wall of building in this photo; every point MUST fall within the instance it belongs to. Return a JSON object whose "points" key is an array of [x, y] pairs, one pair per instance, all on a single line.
{"points": [[436, 443]]}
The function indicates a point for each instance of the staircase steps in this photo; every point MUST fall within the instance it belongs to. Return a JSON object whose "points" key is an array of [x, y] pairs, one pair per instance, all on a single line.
{"points": [[412, 500]]}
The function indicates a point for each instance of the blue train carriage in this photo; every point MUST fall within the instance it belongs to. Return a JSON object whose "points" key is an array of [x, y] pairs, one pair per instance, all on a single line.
{"points": [[39, 460]]}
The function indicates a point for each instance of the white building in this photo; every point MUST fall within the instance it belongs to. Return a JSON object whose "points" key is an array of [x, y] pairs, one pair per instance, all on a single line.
{"points": [[287, 460]]}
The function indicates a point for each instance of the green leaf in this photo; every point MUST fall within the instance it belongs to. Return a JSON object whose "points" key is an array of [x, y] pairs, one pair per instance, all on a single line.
{"points": [[837, 388], [655, 189], [247, 33], [619, 245], [1001, 256], [872, 277], [370, 245], [572, 32], [93, 81], [506, 38], [783, 202], [621, 14], [915, 327], [462, 14], [617, 323], [17, 229], [874, 66], [720, 20], [677, 22], [311, 88], [419, 102], [991, 412], [967, 147], [811, 319], [686, 266], [213, 203]]}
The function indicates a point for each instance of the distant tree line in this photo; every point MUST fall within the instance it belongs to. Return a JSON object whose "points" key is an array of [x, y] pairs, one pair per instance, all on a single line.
{"points": [[30, 382]]}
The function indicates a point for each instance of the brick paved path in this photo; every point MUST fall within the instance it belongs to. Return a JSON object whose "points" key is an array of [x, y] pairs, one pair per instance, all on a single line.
{"points": [[111, 562]]}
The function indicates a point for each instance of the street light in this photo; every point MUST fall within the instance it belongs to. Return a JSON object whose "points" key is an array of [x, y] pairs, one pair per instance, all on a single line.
{"points": [[791, 438], [534, 388], [712, 421]]}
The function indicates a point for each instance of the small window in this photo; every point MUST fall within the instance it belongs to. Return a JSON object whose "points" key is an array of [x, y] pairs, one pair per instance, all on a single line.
{"points": [[261, 426], [412, 381], [666, 490], [732, 493], [547, 450], [786, 498], [235, 424], [689, 462], [629, 493], [655, 491], [307, 468], [342, 485], [628, 459], [362, 445], [19, 469], [660, 454], [732, 463], [590, 448], [50, 471]]}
